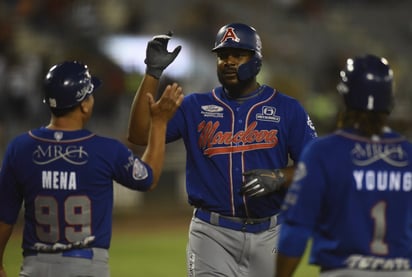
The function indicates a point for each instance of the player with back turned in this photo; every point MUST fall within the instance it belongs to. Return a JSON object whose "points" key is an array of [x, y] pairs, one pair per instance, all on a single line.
{"points": [[64, 174], [352, 191], [238, 138]]}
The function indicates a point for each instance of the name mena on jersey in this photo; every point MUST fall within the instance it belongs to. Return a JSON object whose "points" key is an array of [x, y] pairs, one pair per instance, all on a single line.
{"points": [[59, 180]]}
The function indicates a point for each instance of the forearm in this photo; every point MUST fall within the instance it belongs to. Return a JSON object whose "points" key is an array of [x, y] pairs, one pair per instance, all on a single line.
{"points": [[139, 119], [5, 233], [155, 151], [160, 113], [288, 172], [286, 265]]}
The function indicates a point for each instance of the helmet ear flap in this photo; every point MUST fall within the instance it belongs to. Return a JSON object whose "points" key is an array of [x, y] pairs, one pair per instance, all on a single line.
{"points": [[250, 68]]}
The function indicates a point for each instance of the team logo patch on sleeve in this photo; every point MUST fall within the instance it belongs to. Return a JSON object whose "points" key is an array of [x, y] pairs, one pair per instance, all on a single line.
{"points": [[139, 170]]}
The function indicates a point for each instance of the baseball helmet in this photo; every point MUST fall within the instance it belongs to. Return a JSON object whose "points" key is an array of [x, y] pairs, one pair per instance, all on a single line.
{"points": [[242, 36], [366, 84], [67, 84]]}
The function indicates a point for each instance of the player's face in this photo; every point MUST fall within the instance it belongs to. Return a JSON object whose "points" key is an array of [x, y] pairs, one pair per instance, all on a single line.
{"points": [[228, 62]]}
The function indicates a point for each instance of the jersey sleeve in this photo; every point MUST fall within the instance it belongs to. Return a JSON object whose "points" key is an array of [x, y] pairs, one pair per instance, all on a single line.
{"points": [[130, 171], [11, 198], [302, 203], [301, 131]]}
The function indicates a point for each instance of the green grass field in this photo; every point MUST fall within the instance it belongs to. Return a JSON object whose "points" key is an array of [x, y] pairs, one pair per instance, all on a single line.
{"points": [[145, 254]]}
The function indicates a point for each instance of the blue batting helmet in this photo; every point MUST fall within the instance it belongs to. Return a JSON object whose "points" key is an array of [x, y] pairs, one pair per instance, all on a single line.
{"points": [[67, 84], [366, 84], [242, 36]]}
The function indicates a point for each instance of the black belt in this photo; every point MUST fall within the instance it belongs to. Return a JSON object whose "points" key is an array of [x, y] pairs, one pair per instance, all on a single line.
{"points": [[249, 225], [85, 253]]}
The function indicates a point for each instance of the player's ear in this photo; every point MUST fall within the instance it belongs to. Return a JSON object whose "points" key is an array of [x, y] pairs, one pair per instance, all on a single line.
{"points": [[87, 104], [83, 107]]}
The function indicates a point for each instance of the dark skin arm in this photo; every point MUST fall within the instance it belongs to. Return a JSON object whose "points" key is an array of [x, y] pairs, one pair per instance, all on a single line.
{"points": [[285, 265], [139, 119], [288, 172]]}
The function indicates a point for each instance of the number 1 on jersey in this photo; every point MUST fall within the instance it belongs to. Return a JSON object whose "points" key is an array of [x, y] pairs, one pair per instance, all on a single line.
{"points": [[378, 214]]}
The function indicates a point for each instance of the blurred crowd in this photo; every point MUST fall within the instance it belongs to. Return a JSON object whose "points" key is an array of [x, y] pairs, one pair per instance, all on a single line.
{"points": [[304, 43]]}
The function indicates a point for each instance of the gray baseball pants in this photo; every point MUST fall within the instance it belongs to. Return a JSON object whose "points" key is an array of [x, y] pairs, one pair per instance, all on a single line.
{"points": [[91, 262], [217, 251]]}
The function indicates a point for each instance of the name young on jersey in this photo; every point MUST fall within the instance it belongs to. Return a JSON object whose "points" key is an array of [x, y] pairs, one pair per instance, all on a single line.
{"points": [[371, 180], [381, 180]]}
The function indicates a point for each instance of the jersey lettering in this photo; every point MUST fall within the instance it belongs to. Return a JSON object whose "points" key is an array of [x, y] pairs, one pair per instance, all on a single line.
{"points": [[368, 154], [217, 142], [371, 180], [59, 180], [377, 263], [72, 154]]}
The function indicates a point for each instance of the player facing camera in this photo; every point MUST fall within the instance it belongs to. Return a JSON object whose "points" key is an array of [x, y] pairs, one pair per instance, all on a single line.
{"points": [[241, 36], [239, 142]]}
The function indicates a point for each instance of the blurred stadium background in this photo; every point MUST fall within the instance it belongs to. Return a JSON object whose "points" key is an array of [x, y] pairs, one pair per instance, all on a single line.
{"points": [[305, 43]]}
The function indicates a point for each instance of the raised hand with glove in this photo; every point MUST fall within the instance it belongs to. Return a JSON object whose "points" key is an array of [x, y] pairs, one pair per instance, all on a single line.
{"points": [[157, 59], [157, 55], [259, 182]]}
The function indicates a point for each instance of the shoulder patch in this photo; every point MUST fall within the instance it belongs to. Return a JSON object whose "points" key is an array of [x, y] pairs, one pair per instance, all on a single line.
{"points": [[139, 170]]}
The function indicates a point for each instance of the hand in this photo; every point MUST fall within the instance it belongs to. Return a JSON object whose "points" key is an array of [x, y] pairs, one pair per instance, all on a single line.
{"points": [[169, 102], [157, 56], [259, 182]]}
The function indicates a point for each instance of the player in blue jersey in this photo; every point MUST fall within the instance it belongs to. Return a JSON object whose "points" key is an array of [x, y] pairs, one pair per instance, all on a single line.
{"points": [[352, 189], [64, 173], [239, 138]]}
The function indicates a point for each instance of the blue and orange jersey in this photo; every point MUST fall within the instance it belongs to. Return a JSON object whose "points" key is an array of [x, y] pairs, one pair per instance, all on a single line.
{"points": [[225, 137]]}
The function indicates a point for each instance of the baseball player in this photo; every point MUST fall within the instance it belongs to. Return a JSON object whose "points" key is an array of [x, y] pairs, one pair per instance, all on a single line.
{"points": [[63, 173], [238, 139], [352, 190]]}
